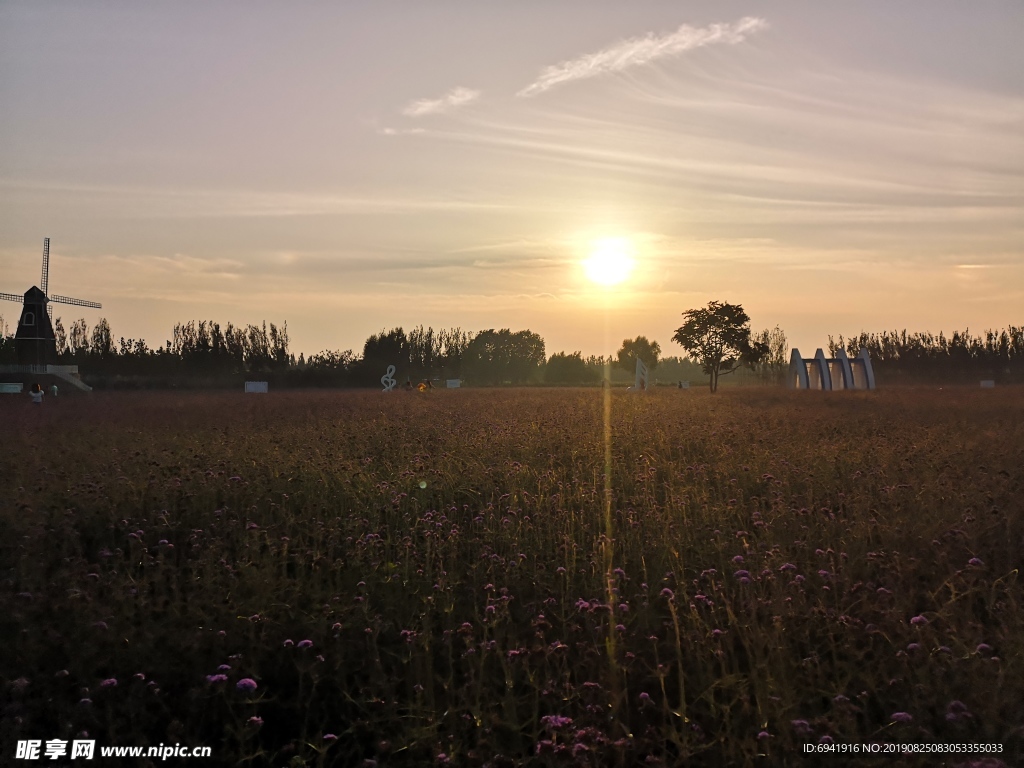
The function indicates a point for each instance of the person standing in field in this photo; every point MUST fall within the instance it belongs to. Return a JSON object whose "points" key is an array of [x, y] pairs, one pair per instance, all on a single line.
{"points": [[37, 394], [53, 390]]}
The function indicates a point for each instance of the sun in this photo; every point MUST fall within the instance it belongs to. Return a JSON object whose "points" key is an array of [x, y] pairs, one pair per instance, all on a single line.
{"points": [[610, 261]]}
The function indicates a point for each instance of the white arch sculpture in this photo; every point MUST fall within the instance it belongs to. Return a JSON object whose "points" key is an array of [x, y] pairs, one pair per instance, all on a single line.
{"points": [[831, 373]]}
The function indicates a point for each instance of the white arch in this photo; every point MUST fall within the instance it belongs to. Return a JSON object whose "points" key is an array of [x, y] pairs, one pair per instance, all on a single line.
{"points": [[797, 371], [847, 369], [823, 373], [869, 372]]}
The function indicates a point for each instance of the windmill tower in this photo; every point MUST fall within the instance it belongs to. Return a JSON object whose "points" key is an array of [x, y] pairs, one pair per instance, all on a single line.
{"points": [[34, 341]]}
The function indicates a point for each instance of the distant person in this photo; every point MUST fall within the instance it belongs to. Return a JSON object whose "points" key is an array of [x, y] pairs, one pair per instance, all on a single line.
{"points": [[37, 394], [53, 390], [408, 385]]}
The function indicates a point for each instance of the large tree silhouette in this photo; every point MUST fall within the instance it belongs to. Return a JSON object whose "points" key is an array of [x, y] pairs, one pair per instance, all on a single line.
{"points": [[500, 357], [640, 347], [718, 337]]}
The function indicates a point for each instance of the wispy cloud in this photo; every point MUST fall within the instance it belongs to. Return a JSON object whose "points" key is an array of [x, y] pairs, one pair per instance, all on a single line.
{"points": [[642, 50], [456, 97], [400, 131], [146, 202]]}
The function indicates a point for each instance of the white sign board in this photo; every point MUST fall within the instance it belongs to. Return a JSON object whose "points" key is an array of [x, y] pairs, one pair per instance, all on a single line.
{"points": [[259, 387], [11, 389], [454, 383]]}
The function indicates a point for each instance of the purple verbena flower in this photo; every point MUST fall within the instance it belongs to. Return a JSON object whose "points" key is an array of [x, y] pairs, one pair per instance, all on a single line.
{"points": [[246, 684], [802, 727], [555, 721]]}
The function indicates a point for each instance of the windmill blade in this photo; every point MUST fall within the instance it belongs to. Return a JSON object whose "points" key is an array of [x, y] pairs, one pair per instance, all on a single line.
{"points": [[12, 297], [45, 285], [76, 302]]}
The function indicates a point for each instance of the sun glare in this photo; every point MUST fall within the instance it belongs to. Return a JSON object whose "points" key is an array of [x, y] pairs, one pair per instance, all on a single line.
{"points": [[610, 261]]}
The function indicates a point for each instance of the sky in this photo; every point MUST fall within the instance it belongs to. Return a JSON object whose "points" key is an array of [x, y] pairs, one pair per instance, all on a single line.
{"points": [[352, 167]]}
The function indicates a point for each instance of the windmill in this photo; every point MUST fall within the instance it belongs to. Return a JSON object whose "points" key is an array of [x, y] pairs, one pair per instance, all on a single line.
{"points": [[34, 341]]}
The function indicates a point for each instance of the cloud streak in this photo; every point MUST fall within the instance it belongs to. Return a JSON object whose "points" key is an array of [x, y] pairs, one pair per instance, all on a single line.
{"points": [[637, 51], [456, 97]]}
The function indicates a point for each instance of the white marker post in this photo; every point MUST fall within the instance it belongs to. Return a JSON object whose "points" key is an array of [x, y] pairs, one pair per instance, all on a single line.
{"points": [[642, 380]]}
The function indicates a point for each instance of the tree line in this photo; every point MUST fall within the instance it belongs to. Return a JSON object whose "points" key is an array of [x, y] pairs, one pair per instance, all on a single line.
{"points": [[205, 352], [902, 357], [717, 341]]}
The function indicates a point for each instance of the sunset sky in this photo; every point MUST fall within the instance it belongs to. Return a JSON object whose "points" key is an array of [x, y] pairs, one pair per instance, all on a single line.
{"points": [[349, 167]]}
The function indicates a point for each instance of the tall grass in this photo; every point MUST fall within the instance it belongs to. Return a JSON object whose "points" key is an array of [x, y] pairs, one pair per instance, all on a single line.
{"points": [[421, 579]]}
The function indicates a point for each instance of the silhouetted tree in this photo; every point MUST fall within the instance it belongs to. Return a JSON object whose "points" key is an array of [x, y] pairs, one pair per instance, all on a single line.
{"points": [[8, 353], [718, 337], [78, 339], [773, 366], [640, 347], [570, 369], [61, 338], [424, 352], [925, 357], [453, 344], [498, 357]]}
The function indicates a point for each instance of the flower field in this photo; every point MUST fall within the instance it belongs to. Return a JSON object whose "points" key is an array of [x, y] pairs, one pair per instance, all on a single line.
{"points": [[360, 579]]}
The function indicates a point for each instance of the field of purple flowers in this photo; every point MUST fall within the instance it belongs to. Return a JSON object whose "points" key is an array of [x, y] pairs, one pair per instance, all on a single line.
{"points": [[360, 579]]}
